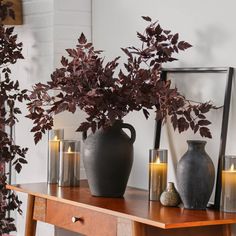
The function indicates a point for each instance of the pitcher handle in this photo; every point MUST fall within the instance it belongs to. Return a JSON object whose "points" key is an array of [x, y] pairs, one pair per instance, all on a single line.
{"points": [[131, 129]]}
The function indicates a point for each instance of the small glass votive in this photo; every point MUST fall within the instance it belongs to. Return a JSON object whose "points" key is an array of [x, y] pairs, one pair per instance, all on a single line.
{"points": [[54, 138], [69, 167], [157, 173], [228, 190]]}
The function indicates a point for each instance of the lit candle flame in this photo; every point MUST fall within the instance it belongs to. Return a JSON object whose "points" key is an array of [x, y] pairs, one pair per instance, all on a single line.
{"points": [[69, 149], [55, 138], [232, 167], [158, 161]]}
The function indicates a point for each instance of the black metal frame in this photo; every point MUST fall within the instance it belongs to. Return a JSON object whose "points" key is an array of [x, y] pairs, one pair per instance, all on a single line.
{"points": [[229, 71]]}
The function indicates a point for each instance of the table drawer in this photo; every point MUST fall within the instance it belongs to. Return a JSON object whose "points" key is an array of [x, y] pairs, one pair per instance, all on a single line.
{"points": [[89, 222]]}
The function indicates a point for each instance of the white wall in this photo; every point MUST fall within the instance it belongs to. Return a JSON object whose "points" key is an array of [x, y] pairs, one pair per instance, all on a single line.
{"points": [[49, 27], [36, 34]]}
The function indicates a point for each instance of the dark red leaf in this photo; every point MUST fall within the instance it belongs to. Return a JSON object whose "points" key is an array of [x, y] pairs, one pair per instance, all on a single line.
{"points": [[175, 38], [84, 127], [192, 125], [204, 122], [201, 116], [141, 37], [182, 45], [205, 107], [205, 132], [22, 160], [146, 113], [37, 137], [196, 127], [82, 39], [18, 167], [146, 18]]}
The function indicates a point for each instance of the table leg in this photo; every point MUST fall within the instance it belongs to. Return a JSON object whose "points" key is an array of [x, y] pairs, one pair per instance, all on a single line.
{"points": [[139, 229], [30, 224], [227, 230]]}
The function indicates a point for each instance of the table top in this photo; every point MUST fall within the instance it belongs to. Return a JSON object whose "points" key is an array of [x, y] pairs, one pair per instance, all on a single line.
{"points": [[134, 206]]}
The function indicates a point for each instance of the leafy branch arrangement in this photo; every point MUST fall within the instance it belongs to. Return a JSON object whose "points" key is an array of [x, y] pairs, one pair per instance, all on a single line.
{"points": [[85, 81], [10, 94]]}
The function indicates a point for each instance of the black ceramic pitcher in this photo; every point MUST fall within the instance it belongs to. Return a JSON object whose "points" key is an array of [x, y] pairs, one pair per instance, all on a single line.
{"points": [[108, 159]]}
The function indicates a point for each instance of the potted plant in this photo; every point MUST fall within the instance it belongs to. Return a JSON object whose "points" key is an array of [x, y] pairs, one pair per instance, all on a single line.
{"points": [[10, 95], [85, 81]]}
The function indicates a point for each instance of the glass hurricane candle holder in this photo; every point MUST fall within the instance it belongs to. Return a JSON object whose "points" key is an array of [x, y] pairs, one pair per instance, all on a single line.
{"points": [[69, 167], [54, 138], [157, 173], [228, 190]]}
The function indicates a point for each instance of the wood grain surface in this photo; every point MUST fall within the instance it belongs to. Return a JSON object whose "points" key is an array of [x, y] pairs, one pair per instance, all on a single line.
{"points": [[40, 207], [134, 206], [89, 222], [213, 230], [30, 223]]}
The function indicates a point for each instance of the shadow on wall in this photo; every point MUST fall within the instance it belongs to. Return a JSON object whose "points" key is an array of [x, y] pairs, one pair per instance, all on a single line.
{"points": [[37, 59], [207, 40]]}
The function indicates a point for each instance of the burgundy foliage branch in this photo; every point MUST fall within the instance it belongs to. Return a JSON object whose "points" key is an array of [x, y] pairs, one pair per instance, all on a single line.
{"points": [[85, 81], [10, 95]]}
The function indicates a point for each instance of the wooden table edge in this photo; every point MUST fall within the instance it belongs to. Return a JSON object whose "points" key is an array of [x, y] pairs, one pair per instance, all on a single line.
{"points": [[126, 216]]}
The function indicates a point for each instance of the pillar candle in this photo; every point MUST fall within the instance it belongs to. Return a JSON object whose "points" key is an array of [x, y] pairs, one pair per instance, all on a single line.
{"points": [[54, 138], [69, 171], [158, 179], [228, 198], [53, 160]]}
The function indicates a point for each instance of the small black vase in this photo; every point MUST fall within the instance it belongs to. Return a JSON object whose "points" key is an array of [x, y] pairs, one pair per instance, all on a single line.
{"points": [[195, 176], [108, 159]]}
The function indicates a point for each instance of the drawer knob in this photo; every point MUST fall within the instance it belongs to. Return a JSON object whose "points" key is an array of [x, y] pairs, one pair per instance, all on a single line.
{"points": [[75, 219]]}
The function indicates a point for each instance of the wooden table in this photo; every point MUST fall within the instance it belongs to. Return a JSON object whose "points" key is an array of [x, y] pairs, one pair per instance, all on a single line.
{"points": [[76, 210]]}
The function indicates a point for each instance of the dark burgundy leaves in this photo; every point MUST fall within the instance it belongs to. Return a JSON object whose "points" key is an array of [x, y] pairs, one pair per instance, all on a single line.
{"points": [[37, 137], [146, 18], [141, 37], [175, 38], [10, 96], [82, 39], [182, 124], [205, 132], [182, 45], [204, 122], [205, 107], [146, 113], [84, 126], [86, 82]]}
